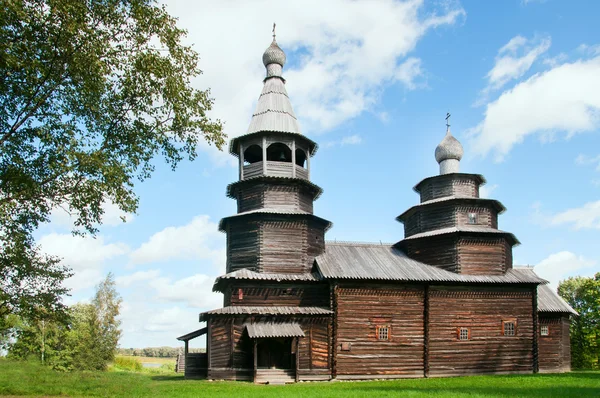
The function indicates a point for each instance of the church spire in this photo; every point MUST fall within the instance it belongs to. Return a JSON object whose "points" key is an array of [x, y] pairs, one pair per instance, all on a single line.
{"points": [[449, 152], [274, 58]]}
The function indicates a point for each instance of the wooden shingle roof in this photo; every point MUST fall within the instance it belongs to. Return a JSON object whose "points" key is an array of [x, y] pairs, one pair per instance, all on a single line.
{"points": [[386, 263], [265, 310], [548, 299], [246, 274], [272, 329]]}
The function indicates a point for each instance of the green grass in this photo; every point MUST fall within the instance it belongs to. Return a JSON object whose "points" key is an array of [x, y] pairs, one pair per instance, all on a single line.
{"points": [[31, 379]]}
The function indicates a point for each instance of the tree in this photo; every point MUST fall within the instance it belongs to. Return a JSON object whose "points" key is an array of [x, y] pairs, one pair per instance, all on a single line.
{"points": [[583, 294], [91, 92], [87, 341]]}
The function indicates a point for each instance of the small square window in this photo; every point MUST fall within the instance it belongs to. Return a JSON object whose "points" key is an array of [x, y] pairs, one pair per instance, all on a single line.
{"points": [[509, 328], [472, 218], [463, 334], [383, 333], [544, 330]]}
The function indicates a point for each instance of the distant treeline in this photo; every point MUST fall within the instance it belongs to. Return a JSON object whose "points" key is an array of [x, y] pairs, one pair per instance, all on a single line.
{"points": [[156, 352]]}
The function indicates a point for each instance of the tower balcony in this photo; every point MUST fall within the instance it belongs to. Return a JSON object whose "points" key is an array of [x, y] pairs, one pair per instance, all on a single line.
{"points": [[273, 169]]}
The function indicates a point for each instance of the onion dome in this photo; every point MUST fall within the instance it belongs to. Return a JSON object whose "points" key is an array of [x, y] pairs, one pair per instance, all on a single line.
{"points": [[274, 55], [449, 148]]}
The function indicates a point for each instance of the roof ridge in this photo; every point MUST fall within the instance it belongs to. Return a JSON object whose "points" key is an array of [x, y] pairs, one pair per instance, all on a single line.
{"points": [[356, 243]]}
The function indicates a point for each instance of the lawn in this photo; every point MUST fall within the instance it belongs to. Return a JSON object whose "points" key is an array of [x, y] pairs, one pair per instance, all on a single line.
{"points": [[30, 379]]}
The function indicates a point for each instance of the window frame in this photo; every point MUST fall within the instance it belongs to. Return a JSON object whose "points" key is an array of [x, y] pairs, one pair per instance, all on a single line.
{"points": [[507, 321], [542, 327], [472, 216], [388, 332], [459, 333]]}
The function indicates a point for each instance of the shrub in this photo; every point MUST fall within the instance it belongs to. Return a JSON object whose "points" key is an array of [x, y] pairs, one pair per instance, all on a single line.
{"points": [[128, 363]]}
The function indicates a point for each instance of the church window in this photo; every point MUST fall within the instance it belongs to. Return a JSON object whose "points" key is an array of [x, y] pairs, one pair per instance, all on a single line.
{"points": [[464, 334], [472, 218], [383, 332], [544, 330], [509, 328], [240, 294]]}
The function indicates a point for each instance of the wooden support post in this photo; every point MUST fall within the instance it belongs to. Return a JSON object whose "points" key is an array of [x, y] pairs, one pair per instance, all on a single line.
{"points": [[255, 360], [293, 158], [241, 162], [185, 358], [536, 365], [297, 357], [264, 151], [208, 347], [426, 332]]}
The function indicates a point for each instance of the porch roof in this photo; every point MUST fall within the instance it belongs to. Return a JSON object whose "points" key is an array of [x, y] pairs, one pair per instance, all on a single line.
{"points": [[193, 335], [271, 329]]}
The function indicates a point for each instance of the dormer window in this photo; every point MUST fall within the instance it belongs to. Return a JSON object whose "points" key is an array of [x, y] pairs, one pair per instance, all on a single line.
{"points": [[472, 218]]}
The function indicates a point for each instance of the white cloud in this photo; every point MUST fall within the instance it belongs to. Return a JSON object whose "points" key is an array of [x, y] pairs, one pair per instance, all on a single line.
{"points": [[514, 59], [85, 255], [585, 160], [587, 216], [486, 191], [194, 291], [558, 266], [354, 139], [589, 50], [343, 53], [200, 239], [565, 98], [128, 280]]}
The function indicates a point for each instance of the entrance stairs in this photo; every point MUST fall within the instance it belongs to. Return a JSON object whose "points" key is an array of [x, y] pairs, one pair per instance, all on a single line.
{"points": [[275, 376]]}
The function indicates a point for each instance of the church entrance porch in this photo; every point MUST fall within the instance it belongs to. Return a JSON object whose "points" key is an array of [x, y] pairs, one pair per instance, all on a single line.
{"points": [[275, 348]]}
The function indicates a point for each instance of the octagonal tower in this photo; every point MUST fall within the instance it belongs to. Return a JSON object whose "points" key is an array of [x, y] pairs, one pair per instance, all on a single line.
{"points": [[274, 230]]}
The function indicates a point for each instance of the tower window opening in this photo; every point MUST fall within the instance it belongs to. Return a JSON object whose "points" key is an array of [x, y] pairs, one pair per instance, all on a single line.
{"points": [[300, 157], [253, 154], [279, 152], [472, 218]]}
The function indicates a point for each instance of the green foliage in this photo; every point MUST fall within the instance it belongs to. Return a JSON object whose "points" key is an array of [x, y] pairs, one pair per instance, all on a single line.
{"points": [[127, 363], [91, 92], [87, 340], [23, 378], [583, 294]]}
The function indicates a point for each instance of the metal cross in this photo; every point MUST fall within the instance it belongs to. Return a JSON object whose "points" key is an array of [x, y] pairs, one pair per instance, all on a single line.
{"points": [[273, 30], [447, 121]]}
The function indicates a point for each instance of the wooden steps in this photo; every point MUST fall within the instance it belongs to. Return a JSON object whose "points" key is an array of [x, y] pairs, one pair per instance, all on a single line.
{"points": [[275, 376]]}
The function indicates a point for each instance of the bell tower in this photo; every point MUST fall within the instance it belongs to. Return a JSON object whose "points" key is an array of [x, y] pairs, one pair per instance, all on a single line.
{"points": [[274, 230], [453, 228]]}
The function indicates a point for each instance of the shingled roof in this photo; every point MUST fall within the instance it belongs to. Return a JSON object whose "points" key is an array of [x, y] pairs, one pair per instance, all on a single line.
{"points": [[247, 274], [548, 299], [386, 263], [265, 310]]}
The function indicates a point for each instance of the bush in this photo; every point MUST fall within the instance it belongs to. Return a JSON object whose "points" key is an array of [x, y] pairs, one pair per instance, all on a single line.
{"points": [[128, 363]]}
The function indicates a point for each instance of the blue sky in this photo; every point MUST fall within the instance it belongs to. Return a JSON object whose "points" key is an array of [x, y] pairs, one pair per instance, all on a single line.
{"points": [[371, 82]]}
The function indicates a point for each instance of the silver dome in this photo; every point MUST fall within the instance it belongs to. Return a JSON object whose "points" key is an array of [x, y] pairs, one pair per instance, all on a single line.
{"points": [[449, 148], [274, 55]]}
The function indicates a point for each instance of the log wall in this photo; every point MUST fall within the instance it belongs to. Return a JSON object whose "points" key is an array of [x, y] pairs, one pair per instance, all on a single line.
{"points": [[446, 215], [276, 196], [483, 256], [283, 247], [196, 365], [440, 251], [482, 311], [554, 349], [279, 295], [242, 245], [449, 185], [358, 351]]}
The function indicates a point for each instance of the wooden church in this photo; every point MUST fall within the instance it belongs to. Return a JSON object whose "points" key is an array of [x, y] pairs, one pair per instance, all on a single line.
{"points": [[444, 301]]}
